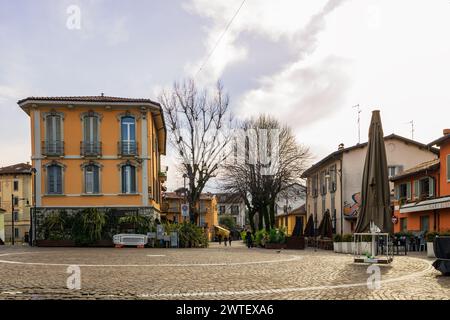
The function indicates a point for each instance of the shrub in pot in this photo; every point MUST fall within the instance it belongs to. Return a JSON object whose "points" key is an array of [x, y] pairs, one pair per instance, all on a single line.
{"points": [[337, 243]]}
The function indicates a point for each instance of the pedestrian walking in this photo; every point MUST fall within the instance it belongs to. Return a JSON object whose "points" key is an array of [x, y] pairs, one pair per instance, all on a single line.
{"points": [[225, 241], [249, 239], [229, 240], [219, 237]]}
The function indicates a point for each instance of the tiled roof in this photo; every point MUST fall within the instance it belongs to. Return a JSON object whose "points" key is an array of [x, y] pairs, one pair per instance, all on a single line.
{"points": [[90, 99], [424, 166], [337, 154], [16, 168]]}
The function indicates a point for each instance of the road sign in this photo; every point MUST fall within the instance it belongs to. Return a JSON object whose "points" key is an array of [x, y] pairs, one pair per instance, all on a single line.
{"points": [[185, 210]]}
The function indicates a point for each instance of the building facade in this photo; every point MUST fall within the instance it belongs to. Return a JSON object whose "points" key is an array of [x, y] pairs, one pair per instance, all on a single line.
{"points": [[422, 194], [334, 183], [96, 152], [292, 218], [16, 199], [207, 209], [2, 225], [232, 204]]}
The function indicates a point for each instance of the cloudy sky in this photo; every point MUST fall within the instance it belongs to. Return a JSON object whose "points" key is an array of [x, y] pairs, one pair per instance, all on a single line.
{"points": [[306, 62]]}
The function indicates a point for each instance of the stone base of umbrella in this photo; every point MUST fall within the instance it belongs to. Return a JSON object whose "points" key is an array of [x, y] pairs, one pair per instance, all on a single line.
{"points": [[378, 250]]}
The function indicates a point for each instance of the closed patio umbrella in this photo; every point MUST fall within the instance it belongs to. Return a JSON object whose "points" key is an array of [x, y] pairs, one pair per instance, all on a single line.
{"points": [[375, 193], [309, 228], [325, 227]]}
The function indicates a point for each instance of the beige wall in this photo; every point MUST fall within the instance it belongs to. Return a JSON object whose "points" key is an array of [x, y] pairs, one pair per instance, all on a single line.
{"points": [[24, 192], [398, 153]]}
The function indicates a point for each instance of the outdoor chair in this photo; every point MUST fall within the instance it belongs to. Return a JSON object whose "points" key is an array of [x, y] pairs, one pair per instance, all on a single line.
{"points": [[400, 243]]}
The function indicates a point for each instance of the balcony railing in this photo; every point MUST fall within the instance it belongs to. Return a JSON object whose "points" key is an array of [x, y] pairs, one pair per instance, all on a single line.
{"points": [[127, 148], [53, 148], [90, 149]]}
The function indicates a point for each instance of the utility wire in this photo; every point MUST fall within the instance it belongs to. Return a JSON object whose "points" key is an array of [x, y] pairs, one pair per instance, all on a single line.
{"points": [[220, 39]]}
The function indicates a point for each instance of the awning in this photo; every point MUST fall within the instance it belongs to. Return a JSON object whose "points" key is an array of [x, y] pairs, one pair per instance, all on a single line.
{"points": [[222, 231], [432, 204]]}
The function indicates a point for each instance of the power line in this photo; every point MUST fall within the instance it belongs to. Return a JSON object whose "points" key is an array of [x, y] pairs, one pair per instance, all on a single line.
{"points": [[220, 38]]}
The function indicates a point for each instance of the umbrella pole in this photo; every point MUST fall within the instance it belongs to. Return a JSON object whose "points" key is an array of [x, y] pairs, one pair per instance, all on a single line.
{"points": [[372, 231]]}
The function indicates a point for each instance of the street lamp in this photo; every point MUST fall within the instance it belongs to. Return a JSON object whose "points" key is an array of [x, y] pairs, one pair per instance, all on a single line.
{"points": [[32, 226]]}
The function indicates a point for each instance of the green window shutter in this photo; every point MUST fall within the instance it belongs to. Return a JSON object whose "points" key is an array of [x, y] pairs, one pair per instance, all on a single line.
{"points": [[416, 189], [431, 186], [396, 192], [408, 190]]}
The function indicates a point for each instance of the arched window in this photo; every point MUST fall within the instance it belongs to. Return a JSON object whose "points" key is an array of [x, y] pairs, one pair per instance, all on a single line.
{"points": [[91, 179], [54, 179], [128, 178], [128, 135]]}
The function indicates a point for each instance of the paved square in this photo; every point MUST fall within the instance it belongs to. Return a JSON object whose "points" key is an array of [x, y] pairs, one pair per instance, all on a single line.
{"points": [[213, 273]]}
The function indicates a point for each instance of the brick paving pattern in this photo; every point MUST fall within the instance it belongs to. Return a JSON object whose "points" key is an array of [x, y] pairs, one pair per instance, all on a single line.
{"points": [[213, 273]]}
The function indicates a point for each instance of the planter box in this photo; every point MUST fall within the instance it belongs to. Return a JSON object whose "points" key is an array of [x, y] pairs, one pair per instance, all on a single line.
{"points": [[71, 243], [347, 247], [55, 243], [276, 246], [295, 243], [337, 247], [430, 250]]}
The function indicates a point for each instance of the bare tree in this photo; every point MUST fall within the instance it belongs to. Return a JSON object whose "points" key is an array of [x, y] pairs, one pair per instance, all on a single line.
{"points": [[267, 160], [199, 124]]}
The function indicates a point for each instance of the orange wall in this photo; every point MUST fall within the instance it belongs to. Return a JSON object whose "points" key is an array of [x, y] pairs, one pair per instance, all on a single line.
{"points": [[110, 188], [445, 185]]}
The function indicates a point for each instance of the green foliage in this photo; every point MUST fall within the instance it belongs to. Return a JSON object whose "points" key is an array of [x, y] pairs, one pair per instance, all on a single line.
{"points": [[190, 235], [55, 226], [347, 237], [140, 223], [261, 237], [431, 235], [277, 235], [227, 221], [87, 226], [337, 238]]}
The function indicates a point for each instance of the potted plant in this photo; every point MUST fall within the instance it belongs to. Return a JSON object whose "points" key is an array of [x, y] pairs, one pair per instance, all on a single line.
{"points": [[347, 243], [337, 243]]}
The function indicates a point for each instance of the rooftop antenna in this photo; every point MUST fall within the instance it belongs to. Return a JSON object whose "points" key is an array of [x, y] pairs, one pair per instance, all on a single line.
{"points": [[412, 128], [359, 122]]}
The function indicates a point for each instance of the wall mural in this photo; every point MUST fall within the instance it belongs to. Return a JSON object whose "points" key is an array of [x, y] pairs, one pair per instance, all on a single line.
{"points": [[351, 210]]}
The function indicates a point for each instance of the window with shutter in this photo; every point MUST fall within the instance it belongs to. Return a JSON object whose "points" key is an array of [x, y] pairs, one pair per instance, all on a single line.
{"points": [[416, 189], [431, 186], [408, 190], [54, 179], [128, 179], [448, 168]]}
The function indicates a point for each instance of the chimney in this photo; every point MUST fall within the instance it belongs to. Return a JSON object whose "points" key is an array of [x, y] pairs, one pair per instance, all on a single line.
{"points": [[341, 146], [446, 132]]}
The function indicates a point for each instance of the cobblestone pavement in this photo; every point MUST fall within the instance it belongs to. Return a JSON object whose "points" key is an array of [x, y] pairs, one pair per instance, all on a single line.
{"points": [[213, 273]]}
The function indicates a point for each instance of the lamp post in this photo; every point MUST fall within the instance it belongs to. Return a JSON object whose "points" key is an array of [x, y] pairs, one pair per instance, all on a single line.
{"points": [[32, 227]]}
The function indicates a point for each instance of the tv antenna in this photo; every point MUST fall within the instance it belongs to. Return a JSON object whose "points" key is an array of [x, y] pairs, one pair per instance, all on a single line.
{"points": [[412, 128], [358, 109]]}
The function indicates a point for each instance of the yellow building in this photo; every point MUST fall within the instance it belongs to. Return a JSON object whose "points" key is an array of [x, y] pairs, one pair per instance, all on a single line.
{"points": [[96, 152], [288, 220], [15, 190], [2, 225], [207, 207]]}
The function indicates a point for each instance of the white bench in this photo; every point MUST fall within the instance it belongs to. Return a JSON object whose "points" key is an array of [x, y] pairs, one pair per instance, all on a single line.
{"points": [[125, 239]]}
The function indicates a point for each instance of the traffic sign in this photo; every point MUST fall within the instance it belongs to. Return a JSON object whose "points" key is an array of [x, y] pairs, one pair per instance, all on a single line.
{"points": [[185, 210]]}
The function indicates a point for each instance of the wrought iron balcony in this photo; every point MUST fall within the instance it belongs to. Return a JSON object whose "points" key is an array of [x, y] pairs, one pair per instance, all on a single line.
{"points": [[90, 149], [53, 148], [127, 148]]}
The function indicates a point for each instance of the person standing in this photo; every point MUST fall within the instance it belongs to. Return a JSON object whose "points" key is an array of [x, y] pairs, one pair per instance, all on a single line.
{"points": [[248, 237], [229, 240]]}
